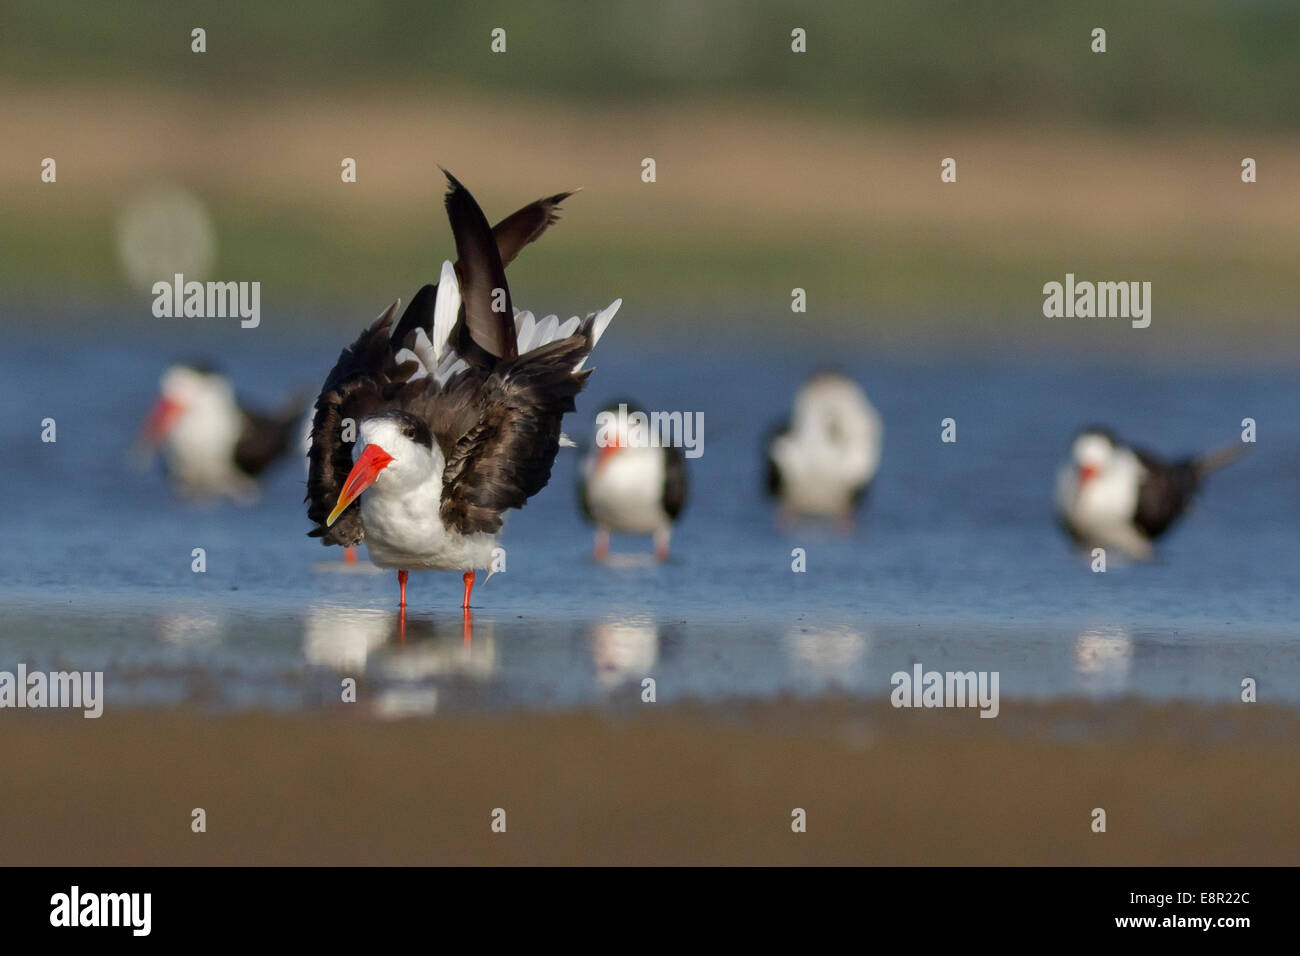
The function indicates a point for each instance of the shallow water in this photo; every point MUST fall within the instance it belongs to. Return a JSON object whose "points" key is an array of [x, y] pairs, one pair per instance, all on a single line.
{"points": [[956, 562]]}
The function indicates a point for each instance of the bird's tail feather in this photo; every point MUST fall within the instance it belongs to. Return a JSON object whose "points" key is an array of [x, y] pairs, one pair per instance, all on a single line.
{"points": [[1212, 461]]}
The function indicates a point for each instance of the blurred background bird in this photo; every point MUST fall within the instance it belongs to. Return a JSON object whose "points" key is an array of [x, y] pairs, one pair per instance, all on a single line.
{"points": [[626, 486], [214, 445], [1112, 495], [821, 461]]}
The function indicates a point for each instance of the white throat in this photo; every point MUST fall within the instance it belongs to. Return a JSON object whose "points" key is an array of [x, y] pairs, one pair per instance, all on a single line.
{"points": [[401, 511], [1102, 509]]}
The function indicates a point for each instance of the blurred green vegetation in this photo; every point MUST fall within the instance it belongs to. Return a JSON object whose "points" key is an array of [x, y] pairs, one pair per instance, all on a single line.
{"points": [[324, 264], [1186, 89], [1230, 63]]}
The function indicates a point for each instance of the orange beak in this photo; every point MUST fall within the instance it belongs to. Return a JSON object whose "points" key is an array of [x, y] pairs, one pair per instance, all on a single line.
{"points": [[1087, 473], [160, 421], [607, 452], [363, 474]]}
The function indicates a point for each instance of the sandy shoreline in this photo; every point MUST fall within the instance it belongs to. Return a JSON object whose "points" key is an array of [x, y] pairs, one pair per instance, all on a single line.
{"points": [[686, 785]]}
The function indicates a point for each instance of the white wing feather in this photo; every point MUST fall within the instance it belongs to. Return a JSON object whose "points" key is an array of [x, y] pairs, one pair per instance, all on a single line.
{"points": [[446, 308], [599, 325], [436, 354], [525, 331]]}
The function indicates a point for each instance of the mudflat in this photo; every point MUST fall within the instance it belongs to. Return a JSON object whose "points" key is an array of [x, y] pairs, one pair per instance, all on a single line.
{"points": [[687, 784]]}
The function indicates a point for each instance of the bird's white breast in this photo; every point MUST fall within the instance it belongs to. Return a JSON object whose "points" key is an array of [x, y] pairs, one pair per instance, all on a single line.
{"points": [[1104, 507], [201, 448], [831, 450], [818, 477], [625, 492], [404, 530]]}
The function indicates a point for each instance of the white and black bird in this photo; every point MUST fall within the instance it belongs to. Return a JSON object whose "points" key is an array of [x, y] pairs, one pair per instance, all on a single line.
{"points": [[457, 408], [214, 445], [821, 462], [1112, 495], [628, 486]]}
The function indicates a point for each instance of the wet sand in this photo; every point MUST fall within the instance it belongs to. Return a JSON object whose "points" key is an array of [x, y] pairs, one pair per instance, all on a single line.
{"points": [[682, 785]]}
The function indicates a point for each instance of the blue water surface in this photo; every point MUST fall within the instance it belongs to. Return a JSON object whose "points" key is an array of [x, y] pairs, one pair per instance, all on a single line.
{"points": [[956, 562]]}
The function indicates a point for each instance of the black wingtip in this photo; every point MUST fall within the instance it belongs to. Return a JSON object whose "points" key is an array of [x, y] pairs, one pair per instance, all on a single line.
{"points": [[1212, 461], [462, 207], [419, 314], [453, 184], [553, 205]]}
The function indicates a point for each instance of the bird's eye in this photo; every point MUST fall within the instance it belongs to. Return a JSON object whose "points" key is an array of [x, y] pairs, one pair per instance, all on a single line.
{"points": [[409, 432]]}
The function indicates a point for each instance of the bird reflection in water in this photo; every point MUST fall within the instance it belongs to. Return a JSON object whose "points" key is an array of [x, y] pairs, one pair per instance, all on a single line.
{"points": [[466, 626], [190, 630], [826, 656], [397, 645], [624, 651], [1103, 657], [342, 639]]}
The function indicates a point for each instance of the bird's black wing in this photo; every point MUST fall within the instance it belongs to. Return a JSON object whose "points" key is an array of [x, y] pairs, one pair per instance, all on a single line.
{"points": [[498, 421], [584, 500], [1164, 493], [525, 225], [511, 234], [365, 376], [503, 431], [263, 439], [674, 482], [772, 471], [488, 318]]}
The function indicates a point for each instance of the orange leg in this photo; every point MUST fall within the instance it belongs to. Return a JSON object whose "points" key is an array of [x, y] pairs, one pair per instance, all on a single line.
{"points": [[401, 581], [349, 555], [467, 628], [600, 550], [469, 586], [661, 545]]}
